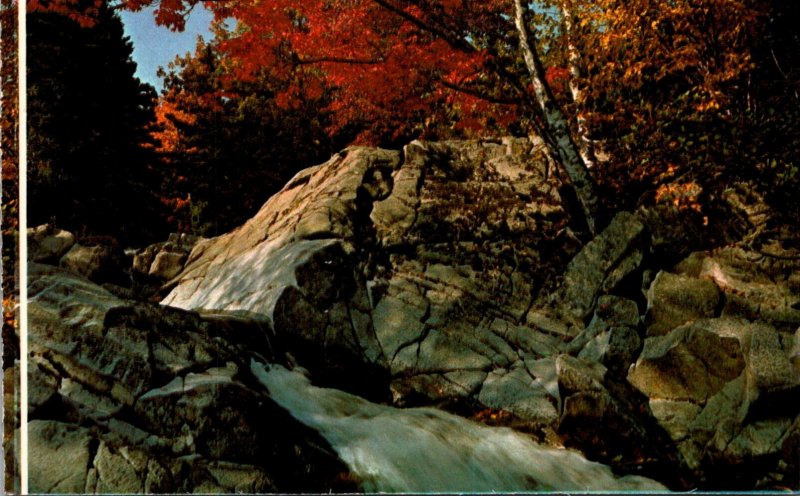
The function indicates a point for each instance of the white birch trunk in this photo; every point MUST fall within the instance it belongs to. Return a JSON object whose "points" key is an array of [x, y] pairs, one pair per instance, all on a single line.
{"points": [[585, 144], [557, 125]]}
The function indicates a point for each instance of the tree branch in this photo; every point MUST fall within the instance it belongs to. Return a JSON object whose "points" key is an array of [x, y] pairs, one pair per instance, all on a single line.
{"points": [[337, 60], [454, 41], [478, 93]]}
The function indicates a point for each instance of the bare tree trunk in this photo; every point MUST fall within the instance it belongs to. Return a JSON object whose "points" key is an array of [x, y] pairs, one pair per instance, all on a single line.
{"points": [[557, 125], [585, 144]]}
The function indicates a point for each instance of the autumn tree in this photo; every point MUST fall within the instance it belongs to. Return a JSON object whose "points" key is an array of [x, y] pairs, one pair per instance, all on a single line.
{"points": [[228, 144], [656, 87], [88, 119], [405, 63]]}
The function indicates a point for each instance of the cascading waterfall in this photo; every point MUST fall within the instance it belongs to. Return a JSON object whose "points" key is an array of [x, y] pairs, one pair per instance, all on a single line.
{"points": [[424, 449]]}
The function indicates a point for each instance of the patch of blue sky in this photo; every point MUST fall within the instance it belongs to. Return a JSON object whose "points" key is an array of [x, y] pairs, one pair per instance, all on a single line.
{"points": [[156, 46]]}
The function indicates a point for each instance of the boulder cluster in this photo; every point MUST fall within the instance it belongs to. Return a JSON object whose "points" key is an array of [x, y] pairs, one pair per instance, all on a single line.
{"points": [[446, 274]]}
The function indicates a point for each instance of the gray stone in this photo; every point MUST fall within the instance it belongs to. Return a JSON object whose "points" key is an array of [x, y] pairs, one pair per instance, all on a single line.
{"points": [[517, 392], [99, 263], [771, 378], [143, 259], [728, 407], [576, 375], [42, 383], [758, 439], [167, 265], [675, 417], [48, 244], [602, 264], [674, 300], [616, 311], [238, 478], [753, 289], [58, 457], [691, 363], [616, 348], [114, 473]]}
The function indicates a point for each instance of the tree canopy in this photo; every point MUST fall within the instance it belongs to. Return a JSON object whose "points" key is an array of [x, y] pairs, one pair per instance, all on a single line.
{"points": [[653, 90], [88, 126], [632, 97], [227, 145]]}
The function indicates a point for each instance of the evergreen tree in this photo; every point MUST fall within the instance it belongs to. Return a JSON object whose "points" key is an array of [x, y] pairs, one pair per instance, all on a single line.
{"points": [[228, 144], [89, 120]]}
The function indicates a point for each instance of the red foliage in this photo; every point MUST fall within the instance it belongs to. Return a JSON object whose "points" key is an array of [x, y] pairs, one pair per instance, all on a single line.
{"points": [[394, 65], [84, 12]]}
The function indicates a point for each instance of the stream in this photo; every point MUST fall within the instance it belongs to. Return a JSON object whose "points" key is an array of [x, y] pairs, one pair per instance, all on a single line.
{"points": [[424, 449]]}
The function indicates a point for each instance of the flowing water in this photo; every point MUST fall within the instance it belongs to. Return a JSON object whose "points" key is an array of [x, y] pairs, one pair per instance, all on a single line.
{"points": [[425, 449]]}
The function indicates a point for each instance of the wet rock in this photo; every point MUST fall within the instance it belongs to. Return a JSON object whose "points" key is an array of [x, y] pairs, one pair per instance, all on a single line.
{"points": [[47, 244], [674, 300], [131, 398], [395, 261]]}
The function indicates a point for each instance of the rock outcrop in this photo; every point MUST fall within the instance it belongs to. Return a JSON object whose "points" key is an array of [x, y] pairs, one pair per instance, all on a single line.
{"points": [[445, 274], [422, 265], [127, 397], [163, 261], [429, 265]]}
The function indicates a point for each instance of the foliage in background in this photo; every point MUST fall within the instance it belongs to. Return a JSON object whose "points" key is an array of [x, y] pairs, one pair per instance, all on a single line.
{"points": [[9, 127], [691, 91], [663, 91], [227, 145], [88, 123]]}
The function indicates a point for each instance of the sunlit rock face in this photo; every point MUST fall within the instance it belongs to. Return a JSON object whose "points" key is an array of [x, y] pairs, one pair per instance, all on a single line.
{"points": [[422, 263]]}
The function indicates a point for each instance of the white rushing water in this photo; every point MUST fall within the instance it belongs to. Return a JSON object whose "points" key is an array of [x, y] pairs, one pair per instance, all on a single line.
{"points": [[425, 449]]}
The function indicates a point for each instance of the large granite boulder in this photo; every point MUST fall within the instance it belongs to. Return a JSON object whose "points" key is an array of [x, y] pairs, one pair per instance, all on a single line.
{"points": [[437, 275], [416, 267]]}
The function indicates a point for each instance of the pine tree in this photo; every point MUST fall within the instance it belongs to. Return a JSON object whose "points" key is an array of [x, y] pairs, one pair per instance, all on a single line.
{"points": [[227, 144], [89, 120]]}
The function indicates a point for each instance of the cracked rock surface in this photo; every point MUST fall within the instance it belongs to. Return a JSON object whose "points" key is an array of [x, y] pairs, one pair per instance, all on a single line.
{"points": [[130, 397], [446, 275], [422, 264], [427, 269]]}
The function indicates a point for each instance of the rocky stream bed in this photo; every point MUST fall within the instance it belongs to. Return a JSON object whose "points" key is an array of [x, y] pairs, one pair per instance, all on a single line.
{"points": [[445, 275]]}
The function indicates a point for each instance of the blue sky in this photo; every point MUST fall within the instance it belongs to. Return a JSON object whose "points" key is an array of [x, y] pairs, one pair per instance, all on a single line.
{"points": [[155, 46]]}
